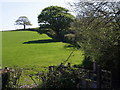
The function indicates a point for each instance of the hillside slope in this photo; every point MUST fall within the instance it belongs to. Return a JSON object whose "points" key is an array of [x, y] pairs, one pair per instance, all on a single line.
{"points": [[30, 49]]}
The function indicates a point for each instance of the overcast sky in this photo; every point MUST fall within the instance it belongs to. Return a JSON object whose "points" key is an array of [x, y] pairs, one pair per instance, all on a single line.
{"points": [[10, 10]]}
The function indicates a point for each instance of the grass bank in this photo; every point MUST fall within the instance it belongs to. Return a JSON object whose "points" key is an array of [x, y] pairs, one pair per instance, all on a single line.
{"points": [[30, 49]]}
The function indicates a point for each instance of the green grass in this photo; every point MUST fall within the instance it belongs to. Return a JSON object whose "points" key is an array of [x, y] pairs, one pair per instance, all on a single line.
{"points": [[16, 53], [20, 49]]}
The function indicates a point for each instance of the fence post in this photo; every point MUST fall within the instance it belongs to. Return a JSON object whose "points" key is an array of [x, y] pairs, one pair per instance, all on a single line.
{"points": [[115, 79], [94, 66], [99, 77]]}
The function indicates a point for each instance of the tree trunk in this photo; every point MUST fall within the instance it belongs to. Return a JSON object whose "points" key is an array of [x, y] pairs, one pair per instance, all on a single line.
{"points": [[24, 27]]}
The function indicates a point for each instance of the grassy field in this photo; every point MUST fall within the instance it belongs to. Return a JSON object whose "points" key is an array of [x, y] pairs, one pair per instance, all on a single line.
{"points": [[30, 49]]}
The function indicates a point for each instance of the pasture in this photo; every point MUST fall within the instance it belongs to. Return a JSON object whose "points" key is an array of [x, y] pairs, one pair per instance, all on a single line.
{"points": [[28, 49]]}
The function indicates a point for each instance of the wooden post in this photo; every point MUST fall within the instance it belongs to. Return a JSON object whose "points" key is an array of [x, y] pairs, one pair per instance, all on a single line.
{"points": [[94, 66], [0, 79], [115, 79], [99, 77]]}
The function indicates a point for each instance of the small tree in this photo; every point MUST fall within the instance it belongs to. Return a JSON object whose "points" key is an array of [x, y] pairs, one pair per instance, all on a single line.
{"points": [[23, 20], [56, 19]]}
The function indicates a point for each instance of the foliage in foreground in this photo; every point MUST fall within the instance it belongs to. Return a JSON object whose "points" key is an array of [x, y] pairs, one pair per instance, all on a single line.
{"points": [[59, 77], [10, 77], [98, 33]]}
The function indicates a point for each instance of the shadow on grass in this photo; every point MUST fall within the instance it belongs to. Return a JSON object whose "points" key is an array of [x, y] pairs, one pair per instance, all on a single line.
{"points": [[40, 41]]}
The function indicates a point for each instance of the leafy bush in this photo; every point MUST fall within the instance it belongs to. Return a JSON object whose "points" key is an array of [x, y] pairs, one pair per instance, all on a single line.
{"points": [[60, 77]]}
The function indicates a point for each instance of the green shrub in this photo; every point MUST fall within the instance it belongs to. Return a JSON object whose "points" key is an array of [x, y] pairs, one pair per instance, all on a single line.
{"points": [[60, 77]]}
